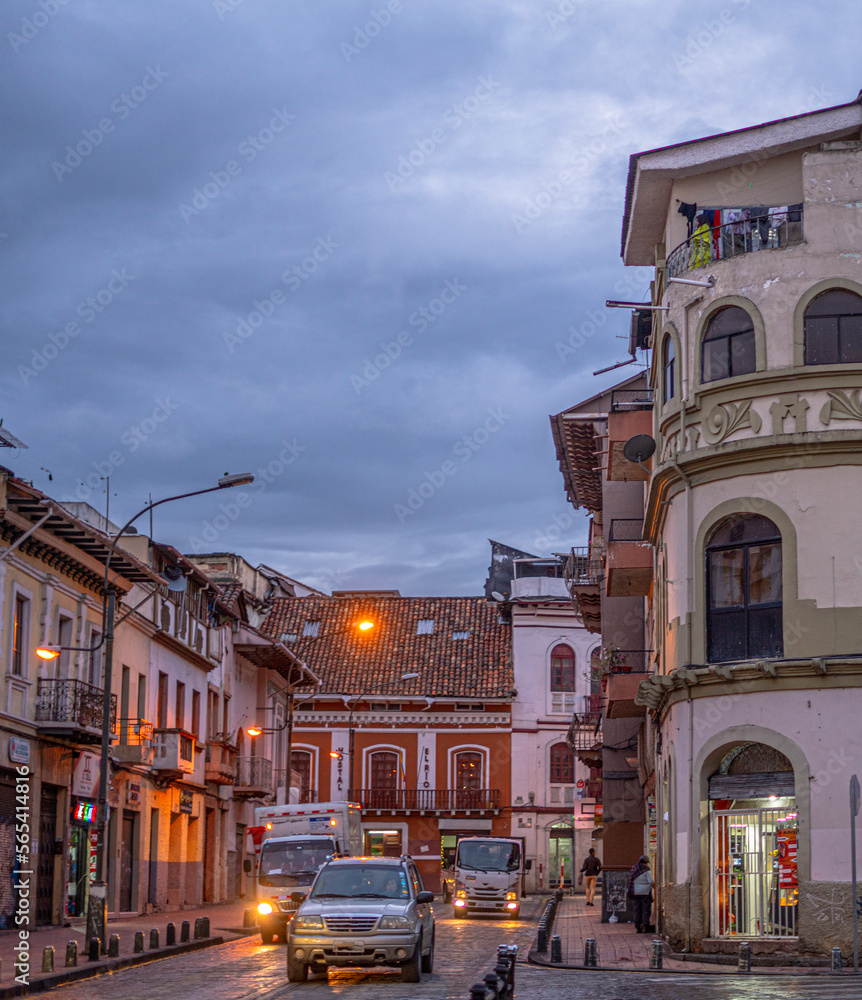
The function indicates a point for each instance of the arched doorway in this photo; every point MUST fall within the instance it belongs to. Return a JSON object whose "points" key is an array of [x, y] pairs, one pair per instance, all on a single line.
{"points": [[753, 844]]}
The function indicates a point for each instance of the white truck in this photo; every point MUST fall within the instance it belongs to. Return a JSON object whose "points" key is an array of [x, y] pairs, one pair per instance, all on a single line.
{"points": [[487, 875], [290, 843]]}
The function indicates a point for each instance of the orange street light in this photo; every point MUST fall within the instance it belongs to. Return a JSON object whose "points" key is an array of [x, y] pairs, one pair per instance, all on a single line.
{"points": [[335, 755], [254, 731], [48, 652]]}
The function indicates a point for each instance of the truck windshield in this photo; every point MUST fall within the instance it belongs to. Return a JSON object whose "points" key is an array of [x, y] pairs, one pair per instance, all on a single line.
{"points": [[288, 858], [487, 856]]}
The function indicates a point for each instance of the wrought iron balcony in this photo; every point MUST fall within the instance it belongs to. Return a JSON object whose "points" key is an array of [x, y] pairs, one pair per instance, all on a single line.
{"points": [[584, 568], [253, 777], [136, 742], [73, 709], [428, 800], [626, 529], [771, 231], [585, 730]]}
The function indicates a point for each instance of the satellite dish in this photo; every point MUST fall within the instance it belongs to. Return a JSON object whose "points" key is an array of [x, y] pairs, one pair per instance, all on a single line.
{"points": [[497, 595], [174, 578], [639, 448]]}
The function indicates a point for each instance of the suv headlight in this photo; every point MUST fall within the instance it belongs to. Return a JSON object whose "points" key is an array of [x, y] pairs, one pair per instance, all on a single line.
{"points": [[312, 922], [264, 909], [395, 924], [511, 895]]}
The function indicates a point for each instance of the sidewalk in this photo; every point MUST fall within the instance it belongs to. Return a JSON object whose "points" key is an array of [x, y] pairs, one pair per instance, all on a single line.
{"points": [[225, 925], [620, 947]]}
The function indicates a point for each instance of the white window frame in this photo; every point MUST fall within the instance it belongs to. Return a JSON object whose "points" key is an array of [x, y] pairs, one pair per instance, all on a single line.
{"points": [[470, 748], [561, 702]]}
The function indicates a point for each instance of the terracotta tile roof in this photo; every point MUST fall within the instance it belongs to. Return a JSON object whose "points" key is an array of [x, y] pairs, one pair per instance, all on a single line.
{"points": [[350, 662], [230, 594]]}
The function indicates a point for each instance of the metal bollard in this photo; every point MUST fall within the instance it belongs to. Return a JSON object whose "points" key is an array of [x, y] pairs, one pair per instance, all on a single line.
{"points": [[197, 927], [837, 961], [492, 985], [542, 939], [248, 918], [556, 949], [71, 954], [48, 959], [205, 927], [477, 991], [170, 934], [184, 931], [656, 954], [154, 938], [95, 950], [591, 958], [139, 942], [114, 946], [744, 957]]}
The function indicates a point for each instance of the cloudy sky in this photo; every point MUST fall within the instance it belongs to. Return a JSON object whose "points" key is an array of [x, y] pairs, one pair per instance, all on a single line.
{"points": [[347, 246]]}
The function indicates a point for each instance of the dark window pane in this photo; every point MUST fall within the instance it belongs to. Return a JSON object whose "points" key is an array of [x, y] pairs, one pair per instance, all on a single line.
{"points": [[726, 636], [851, 339], [726, 578], [715, 360], [562, 669], [764, 632], [562, 765], [764, 574], [728, 321], [821, 340], [836, 302], [742, 356], [744, 528]]}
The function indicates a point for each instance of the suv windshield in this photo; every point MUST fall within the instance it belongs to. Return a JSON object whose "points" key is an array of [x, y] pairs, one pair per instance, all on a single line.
{"points": [[488, 857], [370, 881], [293, 857]]}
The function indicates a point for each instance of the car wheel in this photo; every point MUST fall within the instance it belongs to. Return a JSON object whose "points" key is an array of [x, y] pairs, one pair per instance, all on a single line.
{"points": [[266, 935], [282, 934], [411, 969], [297, 972], [428, 960]]}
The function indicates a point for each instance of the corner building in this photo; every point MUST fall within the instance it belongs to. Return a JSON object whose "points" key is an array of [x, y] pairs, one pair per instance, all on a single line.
{"points": [[752, 509]]}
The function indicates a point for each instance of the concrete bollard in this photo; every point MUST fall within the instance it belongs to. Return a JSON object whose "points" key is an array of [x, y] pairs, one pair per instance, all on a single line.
{"points": [[48, 959], [114, 946], [184, 931], [556, 949], [492, 986], [656, 954], [95, 950], [139, 942], [154, 939], [205, 927], [542, 939], [71, 954], [837, 961], [477, 991], [170, 935], [744, 957], [591, 957], [248, 918]]}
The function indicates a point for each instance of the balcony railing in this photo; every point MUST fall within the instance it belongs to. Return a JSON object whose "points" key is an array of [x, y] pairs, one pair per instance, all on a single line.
{"points": [[629, 661], [253, 776], [73, 708], [585, 731], [136, 742], [553, 568], [626, 529], [623, 400], [772, 230], [220, 762], [584, 568], [428, 799]]}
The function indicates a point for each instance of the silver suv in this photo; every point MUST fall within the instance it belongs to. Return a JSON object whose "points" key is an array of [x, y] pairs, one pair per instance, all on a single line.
{"points": [[363, 911]]}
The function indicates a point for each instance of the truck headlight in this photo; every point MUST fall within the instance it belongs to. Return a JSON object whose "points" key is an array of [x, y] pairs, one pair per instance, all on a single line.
{"points": [[264, 909], [461, 893], [312, 922], [395, 924], [511, 895]]}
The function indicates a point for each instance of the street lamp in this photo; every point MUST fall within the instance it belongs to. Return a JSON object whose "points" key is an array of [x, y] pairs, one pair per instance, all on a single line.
{"points": [[350, 731], [97, 911]]}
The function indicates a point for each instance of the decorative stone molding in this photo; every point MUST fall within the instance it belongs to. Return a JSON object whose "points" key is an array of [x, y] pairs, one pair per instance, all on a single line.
{"points": [[841, 406], [725, 418], [789, 405]]}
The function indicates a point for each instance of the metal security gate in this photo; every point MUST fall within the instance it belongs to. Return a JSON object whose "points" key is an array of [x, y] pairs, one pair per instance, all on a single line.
{"points": [[754, 887]]}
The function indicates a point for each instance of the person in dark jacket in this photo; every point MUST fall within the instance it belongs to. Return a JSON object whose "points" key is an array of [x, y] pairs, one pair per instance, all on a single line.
{"points": [[639, 893], [590, 870]]}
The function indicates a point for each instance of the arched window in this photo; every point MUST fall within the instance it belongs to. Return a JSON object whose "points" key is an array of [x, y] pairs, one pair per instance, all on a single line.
{"points": [[728, 347], [300, 761], [743, 564], [668, 364], [562, 679], [562, 765], [833, 329], [469, 778], [383, 771]]}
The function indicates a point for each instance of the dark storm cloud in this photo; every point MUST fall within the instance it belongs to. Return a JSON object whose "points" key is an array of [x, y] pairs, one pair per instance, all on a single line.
{"points": [[360, 249]]}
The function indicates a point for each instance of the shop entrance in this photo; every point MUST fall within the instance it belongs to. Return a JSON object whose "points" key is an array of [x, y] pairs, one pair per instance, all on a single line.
{"points": [[383, 843], [561, 847]]}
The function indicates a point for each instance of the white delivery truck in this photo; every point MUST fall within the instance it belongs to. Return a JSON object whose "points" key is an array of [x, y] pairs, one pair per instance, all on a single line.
{"points": [[487, 875], [290, 843]]}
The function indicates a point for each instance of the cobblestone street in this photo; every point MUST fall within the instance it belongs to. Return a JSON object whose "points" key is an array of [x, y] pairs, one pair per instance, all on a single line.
{"points": [[247, 970]]}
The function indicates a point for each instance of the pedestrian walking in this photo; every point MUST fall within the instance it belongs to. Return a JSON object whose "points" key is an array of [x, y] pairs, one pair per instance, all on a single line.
{"points": [[590, 871], [639, 893]]}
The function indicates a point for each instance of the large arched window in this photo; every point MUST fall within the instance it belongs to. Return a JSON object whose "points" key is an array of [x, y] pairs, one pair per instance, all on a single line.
{"points": [[562, 679], [833, 328], [668, 366], [469, 777], [743, 567], [728, 347], [383, 772], [300, 761], [562, 765]]}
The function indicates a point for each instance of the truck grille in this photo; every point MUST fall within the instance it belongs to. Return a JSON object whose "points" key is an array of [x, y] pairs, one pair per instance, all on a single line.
{"points": [[487, 893], [350, 925]]}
